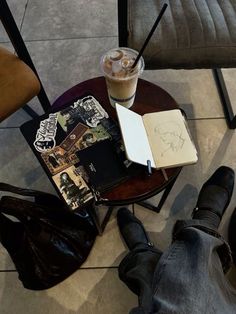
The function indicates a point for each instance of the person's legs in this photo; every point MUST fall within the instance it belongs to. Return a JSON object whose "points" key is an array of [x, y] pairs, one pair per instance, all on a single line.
{"points": [[136, 271], [137, 268], [188, 277]]}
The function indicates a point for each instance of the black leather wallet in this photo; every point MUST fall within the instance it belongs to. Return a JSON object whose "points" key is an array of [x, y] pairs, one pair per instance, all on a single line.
{"points": [[103, 166]]}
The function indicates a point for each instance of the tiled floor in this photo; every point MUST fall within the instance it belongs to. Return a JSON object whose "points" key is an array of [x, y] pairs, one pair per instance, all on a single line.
{"points": [[66, 39]]}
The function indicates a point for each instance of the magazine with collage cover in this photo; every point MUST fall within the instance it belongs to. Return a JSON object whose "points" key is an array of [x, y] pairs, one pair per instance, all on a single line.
{"points": [[83, 130]]}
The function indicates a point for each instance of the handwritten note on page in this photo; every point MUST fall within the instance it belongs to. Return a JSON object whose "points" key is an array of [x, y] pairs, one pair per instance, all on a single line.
{"points": [[169, 138]]}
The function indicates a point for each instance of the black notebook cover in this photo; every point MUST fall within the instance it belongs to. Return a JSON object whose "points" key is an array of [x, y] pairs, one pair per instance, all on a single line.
{"points": [[103, 165]]}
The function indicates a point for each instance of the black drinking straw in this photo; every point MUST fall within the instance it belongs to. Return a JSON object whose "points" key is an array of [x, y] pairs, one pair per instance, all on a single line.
{"points": [[150, 34]]}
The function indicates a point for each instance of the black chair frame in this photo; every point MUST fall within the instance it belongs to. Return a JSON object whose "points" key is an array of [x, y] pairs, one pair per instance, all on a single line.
{"points": [[217, 73]]}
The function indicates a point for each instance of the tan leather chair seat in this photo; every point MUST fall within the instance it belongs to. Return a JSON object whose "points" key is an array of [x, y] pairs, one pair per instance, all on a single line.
{"points": [[18, 83]]}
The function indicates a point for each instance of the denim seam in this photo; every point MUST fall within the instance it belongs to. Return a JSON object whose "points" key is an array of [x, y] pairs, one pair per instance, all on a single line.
{"points": [[160, 269]]}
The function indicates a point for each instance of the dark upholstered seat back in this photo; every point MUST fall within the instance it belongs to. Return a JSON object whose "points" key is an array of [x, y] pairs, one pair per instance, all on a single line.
{"points": [[191, 34]]}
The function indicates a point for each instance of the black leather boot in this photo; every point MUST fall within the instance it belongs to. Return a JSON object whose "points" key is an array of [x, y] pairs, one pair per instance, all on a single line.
{"points": [[215, 196], [131, 229]]}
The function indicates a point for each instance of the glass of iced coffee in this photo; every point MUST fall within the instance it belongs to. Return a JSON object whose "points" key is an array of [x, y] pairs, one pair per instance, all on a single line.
{"points": [[121, 78]]}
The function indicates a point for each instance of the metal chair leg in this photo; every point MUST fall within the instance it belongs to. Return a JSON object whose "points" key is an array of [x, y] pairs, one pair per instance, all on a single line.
{"points": [[100, 226], [30, 111], [158, 207], [106, 218], [226, 103], [122, 22]]}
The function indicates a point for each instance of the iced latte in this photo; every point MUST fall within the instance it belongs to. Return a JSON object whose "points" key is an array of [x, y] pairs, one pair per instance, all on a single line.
{"points": [[121, 79]]}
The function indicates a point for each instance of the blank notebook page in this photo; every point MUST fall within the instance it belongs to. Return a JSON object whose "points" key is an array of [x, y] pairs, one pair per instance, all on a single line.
{"points": [[134, 136]]}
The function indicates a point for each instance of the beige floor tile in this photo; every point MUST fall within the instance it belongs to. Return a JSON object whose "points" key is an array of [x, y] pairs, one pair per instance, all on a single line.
{"points": [[216, 146], [194, 90], [86, 291], [70, 19], [61, 64], [109, 248], [5, 260]]}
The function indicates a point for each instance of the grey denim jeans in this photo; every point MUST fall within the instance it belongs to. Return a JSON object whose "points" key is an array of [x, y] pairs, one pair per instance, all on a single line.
{"points": [[188, 278]]}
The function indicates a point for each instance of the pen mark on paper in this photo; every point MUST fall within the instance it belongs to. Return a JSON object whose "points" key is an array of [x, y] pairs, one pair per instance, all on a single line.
{"points": [[171, 136]]}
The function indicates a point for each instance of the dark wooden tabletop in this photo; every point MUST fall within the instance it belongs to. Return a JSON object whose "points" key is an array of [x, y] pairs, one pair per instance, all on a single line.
{"points": [[149, 98]]}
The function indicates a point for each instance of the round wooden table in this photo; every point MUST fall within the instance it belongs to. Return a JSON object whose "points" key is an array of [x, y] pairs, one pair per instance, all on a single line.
{"points": [[149, 98]]}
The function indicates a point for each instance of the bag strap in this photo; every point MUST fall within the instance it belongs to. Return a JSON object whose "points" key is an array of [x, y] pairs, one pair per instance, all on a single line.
{"points": [[42, 198], [21, 208], [14, 207], [25, 192]]}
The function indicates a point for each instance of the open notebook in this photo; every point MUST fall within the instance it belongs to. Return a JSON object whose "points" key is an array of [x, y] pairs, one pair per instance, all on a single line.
{"points": [[161, 137]]}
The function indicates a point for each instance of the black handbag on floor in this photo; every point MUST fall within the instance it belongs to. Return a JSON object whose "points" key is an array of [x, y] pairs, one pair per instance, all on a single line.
{"points": [[48, 242]]}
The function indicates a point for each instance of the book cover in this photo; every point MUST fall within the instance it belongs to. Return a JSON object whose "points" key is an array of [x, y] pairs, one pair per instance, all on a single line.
{"points": [[56, 137]]}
